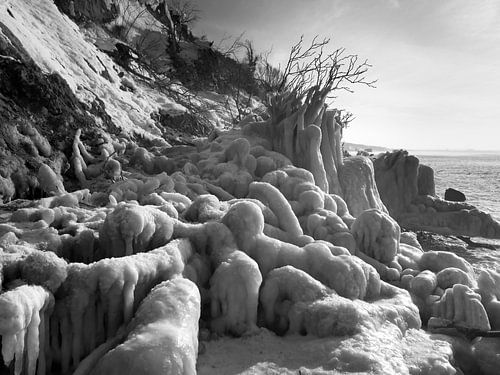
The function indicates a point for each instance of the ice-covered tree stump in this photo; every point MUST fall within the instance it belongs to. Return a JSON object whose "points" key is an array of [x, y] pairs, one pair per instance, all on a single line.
{"points": [[310, 136]]}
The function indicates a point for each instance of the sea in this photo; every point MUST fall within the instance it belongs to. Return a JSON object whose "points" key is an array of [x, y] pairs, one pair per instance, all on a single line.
{"points": [[477, 175]]}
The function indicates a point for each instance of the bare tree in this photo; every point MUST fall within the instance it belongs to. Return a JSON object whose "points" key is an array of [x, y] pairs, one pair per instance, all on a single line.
{"points": [[268, 76], [251, 57], [301, 125], [313, 66], [230, 46], [240, 74], [245, 77]]}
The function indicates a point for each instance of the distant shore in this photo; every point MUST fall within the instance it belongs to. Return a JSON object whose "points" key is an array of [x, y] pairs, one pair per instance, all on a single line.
{"points": [[354, 147], [454, 152]]}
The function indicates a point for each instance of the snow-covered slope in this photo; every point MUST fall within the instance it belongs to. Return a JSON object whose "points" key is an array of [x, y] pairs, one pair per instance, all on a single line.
{"points": [[56, 45]]}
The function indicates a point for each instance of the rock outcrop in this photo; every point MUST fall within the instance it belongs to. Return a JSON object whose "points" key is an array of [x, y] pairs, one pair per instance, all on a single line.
{"points": [[407, 190], [454, 195], [396, 174]]}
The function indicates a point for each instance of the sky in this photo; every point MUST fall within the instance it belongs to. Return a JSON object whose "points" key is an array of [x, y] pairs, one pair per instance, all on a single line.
{"points": [[437, 63]]}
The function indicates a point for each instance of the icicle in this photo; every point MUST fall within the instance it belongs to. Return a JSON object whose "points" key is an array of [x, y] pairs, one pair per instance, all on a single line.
{"points": [[77, 337], [115, 306], [33, 342], [42, 342], [19, 356], [47, 352], [128, 301], [129, 247], [100, 333], [55, 344], [89, 362], [85, 333], [131, 277], [65, 344], [89, 324], [92, 323], [9, 343], [20, 308]]}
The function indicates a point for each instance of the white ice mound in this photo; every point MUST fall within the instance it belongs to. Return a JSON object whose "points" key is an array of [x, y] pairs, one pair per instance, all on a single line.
{"points": [[384, 351], [163, 336]]}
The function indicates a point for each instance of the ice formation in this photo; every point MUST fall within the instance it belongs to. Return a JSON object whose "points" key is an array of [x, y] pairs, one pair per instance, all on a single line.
{"points": [[131, 228], [163, 336], [265, 227], [282, 246], [295, 302], [24, 327], [407, 189], [489, 288]]}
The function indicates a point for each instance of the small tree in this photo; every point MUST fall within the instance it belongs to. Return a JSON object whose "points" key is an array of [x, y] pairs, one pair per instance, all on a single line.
{"points": [[268, 76], [301, 125], [239, 62]]}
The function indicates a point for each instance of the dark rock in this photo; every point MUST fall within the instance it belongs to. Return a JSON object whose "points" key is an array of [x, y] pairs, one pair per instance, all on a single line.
{"points": [[454, 195], [95, 10]]}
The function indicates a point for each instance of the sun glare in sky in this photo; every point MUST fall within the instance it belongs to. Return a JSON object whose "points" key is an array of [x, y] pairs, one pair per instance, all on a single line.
{"points": [[436, 62]]}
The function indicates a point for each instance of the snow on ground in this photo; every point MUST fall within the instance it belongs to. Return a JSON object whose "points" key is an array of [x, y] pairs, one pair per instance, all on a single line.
{"points": [[382, 352], [57, 46]]}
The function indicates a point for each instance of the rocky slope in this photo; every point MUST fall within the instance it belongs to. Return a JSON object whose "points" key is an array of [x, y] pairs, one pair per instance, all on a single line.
{"points": [[55, 81]]}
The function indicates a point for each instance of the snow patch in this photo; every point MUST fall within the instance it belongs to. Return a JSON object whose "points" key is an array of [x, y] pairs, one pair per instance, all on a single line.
{"points": [[384, 351]]}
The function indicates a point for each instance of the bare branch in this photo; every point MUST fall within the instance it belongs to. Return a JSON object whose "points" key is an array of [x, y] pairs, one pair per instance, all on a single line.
{"points": [[230, 50], [185, 11], [344, 118], [311, 65]]}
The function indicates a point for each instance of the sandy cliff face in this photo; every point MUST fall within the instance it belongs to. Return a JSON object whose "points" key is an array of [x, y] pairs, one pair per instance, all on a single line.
{"points": [[54, 81], [39, 114], [56, 45]]}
